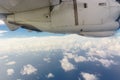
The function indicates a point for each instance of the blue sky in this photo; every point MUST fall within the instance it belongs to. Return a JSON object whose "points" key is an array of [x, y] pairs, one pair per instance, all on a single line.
{"points": [[23, 33]]}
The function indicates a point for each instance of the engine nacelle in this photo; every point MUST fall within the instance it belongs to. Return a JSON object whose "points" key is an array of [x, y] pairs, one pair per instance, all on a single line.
{"points": [[98, 18]]}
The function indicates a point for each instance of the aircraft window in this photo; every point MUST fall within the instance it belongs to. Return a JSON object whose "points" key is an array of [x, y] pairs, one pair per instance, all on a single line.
{"points": [[102, 4], [85, 5]]}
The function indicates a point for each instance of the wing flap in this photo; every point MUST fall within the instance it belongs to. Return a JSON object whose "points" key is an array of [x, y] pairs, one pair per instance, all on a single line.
{"points": [[12, 27]]}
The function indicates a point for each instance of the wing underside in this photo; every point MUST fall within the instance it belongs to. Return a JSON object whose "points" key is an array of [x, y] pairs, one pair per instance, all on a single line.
{"points": [[9, 7], [24, 5]]}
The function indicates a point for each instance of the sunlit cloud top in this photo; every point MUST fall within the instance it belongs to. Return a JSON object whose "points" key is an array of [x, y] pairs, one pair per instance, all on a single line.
{"points": [[73, 43], [94, 49]]}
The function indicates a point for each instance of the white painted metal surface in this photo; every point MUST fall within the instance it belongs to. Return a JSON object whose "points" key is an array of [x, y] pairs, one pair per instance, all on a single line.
{"points": [[25, 5], [95, 17]]}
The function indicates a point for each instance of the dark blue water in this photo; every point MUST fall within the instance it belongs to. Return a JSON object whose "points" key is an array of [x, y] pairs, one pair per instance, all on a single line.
{"points": [[54, 67]]}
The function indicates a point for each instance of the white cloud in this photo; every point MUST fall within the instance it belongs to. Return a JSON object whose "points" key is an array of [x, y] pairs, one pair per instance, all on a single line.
{"points": [[88, 76], [69, 55], [10, 72], [19, 79], [97, 52], [71, 45], [75, 57], [50, 75], [80, 59], [66, 65], [21, 45], [28, 69], [2, 32], [3, 57], [11, 63], [48, 60], [106, 63]]}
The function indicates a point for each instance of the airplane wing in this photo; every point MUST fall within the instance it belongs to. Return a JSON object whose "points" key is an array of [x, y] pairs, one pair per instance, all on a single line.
{"points": [[71, 16], [12, 6], [8, 7]]}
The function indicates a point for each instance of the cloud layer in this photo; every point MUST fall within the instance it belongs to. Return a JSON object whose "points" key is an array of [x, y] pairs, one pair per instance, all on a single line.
{"points": [[96, 47], [80, 49]]}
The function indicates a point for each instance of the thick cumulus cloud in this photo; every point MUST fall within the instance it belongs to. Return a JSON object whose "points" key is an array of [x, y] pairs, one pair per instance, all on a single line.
{"points": [[88, 76], [28, 69], [10, 72], [66, 65], [80, 49]]}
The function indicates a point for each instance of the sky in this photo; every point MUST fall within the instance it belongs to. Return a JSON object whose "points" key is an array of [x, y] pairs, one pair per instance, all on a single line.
{"points": [[6, 33]]}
